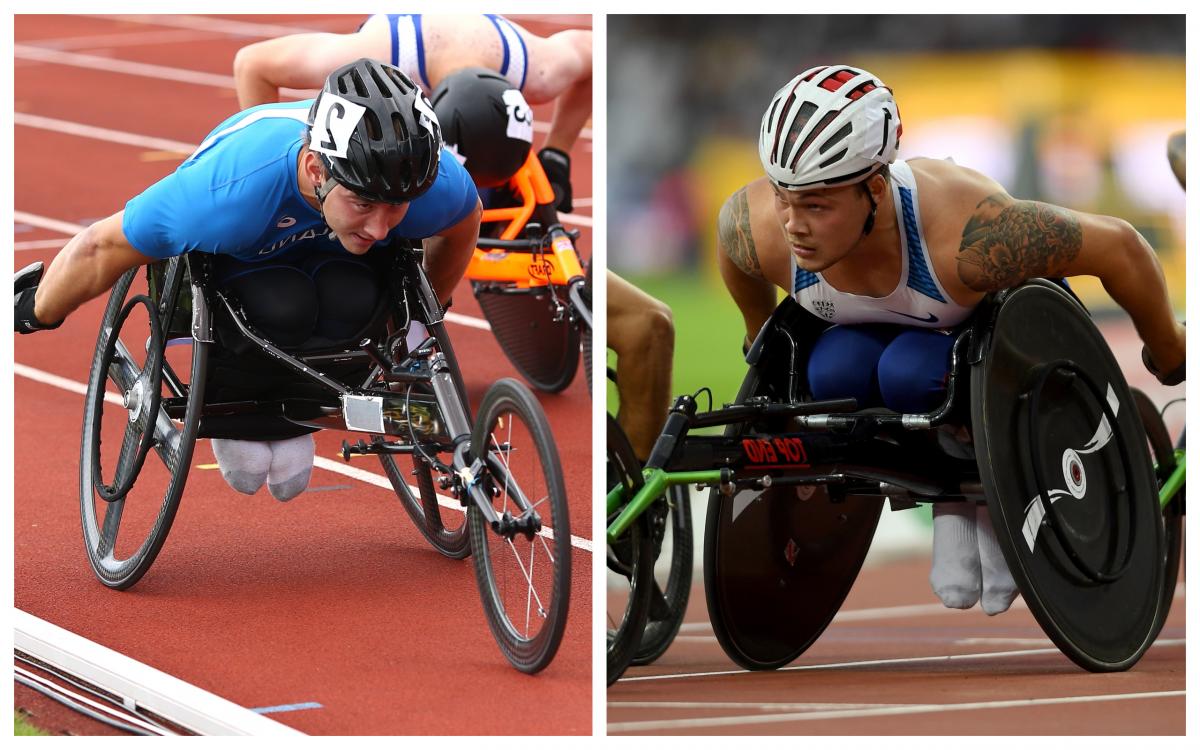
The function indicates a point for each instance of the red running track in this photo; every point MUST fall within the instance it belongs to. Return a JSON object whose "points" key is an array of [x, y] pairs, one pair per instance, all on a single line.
{"points": [[333, 599]]}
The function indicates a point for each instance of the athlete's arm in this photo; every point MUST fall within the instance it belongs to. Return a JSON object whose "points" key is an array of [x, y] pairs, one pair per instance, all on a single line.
{"points": [[448, 253], [567, 78], [737, 259], [641, 332], [1008, 241], [298, 61], [87, 267]]}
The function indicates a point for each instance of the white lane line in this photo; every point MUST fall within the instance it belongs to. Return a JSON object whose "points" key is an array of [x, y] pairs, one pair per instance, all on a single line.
{"points": [[102, 134], [113, 65], [221, 25], [336, 467], [161, 144], [752, 706], [881, 662], [38, 244], [45, 222], [126, 39], [899, 710], [467, 320]]}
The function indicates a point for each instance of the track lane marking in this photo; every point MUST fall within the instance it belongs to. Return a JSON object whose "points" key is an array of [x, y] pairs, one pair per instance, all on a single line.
{"points": [[179, 75], [320, 462], [879, 662], [896, 710]]}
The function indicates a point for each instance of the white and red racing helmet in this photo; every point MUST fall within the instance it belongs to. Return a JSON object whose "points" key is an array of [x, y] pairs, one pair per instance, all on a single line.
{"points": [[829, 126]]}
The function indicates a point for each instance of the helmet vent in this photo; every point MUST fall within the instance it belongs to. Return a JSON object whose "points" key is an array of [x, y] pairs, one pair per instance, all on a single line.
{"points": [[824, 123], [860, 90], [382, 85], [399, 127], [836, 138], [802, 117], [833, 159], [835, 81], [374, 132]]}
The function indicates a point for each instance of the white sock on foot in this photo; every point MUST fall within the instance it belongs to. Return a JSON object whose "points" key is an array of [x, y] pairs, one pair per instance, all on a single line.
{"points": [[243, 463], [291, 466], [999, 588], [955, 575]]}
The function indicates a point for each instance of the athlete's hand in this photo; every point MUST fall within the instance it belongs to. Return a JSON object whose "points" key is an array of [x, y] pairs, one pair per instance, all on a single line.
{"points": [[557, 165], [26, 285], [1171, 377]]}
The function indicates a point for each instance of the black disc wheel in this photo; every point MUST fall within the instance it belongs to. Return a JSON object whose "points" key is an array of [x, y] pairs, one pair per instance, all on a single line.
{"points": [[522, 561], [630, 561], [534, 331], [671, 522], [1064, 462], [139, 429]]}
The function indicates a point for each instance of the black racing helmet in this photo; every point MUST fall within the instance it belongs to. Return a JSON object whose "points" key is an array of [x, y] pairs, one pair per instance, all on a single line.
{"points": [[375, 132], [486, 120]]}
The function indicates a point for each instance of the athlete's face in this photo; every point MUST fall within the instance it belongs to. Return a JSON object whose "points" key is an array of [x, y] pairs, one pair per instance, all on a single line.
{"points": [[821, 226], [358, 222]]}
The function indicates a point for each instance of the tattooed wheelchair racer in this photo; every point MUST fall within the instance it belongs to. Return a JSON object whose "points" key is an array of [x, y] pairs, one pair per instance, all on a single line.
{"points": [[896, 254]]}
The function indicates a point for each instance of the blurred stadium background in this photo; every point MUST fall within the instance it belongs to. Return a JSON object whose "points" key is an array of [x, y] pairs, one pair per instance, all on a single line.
{"points": [[1072, 110]]}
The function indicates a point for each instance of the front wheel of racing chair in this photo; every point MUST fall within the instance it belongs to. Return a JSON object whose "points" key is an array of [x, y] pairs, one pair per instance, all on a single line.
{"points": [[630, 562], [523, 554], [1164, 459], [138, 438]]}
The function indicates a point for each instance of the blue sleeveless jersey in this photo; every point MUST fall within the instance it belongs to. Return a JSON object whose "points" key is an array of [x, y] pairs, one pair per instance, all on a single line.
{"points": [[237, 195]]}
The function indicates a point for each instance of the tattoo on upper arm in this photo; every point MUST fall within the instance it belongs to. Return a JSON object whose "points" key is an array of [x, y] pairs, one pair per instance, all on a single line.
{"points": [[733, 232], [1007, 241]]}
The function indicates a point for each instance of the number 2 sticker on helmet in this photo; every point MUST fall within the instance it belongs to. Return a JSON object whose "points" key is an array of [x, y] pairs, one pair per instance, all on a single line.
{"points": [[333, 125], [520, 117]]}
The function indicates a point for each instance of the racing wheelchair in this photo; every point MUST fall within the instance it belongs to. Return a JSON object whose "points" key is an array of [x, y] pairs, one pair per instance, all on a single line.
{"points": [[530, 283], [186, 364], [1078, 473]]}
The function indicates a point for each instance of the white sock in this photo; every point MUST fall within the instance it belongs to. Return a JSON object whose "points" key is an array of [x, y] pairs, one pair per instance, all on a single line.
{"points": [[999, 588], [291, 466], [244, 463], [417, 333], [955, 575]]}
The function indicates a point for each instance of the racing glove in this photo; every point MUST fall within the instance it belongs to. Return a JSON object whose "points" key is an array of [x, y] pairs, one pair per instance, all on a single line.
{"points": [[1174, 377], [557, 165], [26, 285]]}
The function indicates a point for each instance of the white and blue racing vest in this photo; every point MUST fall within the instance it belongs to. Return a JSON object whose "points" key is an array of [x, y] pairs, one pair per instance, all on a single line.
{"points": [[919, 299]]}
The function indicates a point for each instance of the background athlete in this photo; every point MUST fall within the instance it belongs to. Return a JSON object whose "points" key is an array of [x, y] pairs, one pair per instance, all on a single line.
{"points": [[288, 197], [642, 333], [897, 253], [429, 47]]}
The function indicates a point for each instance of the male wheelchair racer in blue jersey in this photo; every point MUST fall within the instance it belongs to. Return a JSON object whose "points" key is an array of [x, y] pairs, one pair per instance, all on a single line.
{"points": [[288, 198]]}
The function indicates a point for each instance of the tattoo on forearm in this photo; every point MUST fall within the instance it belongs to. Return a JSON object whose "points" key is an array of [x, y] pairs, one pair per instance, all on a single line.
{"points": [[1007, 241], [733, 232]]}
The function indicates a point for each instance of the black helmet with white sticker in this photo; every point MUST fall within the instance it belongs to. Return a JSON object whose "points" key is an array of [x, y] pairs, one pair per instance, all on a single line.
{"points": [[375, 132], [486, 122]]}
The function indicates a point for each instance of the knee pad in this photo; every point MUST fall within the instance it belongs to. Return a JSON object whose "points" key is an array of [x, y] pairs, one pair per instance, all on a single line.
{"points": [[843, 362], [280, 301], [347, 293]]}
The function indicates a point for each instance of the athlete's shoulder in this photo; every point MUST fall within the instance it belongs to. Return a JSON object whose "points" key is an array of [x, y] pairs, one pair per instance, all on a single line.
{"points": [[945, 178]]}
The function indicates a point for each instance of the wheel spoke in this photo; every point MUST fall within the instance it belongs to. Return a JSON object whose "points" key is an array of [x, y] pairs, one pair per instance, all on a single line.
{"points": [[546, 547], [528, 581], [529, 592], [108, 532]]}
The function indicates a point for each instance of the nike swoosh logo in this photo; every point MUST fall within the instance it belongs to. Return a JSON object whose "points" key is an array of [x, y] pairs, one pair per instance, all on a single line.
{"points": [[931, 319]]}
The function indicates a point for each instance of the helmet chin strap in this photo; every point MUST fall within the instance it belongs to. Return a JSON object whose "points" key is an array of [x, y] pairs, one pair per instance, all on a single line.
{"points": [[869, 224]]}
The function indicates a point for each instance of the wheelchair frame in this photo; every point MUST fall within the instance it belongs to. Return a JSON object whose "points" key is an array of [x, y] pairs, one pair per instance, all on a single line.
{"points": [[835, 433], [476, 471]]}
